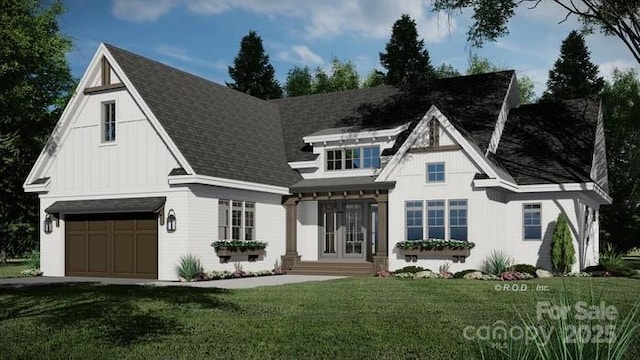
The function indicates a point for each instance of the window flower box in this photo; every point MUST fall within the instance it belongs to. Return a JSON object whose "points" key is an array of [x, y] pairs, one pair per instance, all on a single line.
{"points": [[226, 249], [435, 248]]}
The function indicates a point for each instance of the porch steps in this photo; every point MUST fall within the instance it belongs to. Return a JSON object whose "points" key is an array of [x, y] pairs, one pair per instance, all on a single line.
{"points": [[332, 268]]}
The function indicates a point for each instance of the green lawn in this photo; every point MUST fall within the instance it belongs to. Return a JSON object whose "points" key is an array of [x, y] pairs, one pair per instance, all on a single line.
{"points": [[12, 269], [348, 318]]}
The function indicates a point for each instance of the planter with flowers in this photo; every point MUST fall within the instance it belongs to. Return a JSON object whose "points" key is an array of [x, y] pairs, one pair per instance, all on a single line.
{"points": [[226, 249], [435, 248]]}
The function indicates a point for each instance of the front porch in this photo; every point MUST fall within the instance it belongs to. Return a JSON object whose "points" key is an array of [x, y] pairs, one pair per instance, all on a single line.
{"points": [[337, 227]]}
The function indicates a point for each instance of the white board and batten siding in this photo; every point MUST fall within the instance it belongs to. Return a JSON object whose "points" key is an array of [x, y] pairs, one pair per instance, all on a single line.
{"points": [[494, 218]]}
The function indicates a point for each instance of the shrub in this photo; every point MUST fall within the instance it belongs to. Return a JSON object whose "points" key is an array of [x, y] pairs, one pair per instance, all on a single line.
{"points": [[563, 254], [514, 275], [524, 268], [411, 269], [497, 262], [610, 258], [189, 267], [33, 261], [461, 274]]}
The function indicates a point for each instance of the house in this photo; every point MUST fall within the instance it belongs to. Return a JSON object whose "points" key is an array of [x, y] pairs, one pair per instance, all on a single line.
{"points": [[148, 163]]}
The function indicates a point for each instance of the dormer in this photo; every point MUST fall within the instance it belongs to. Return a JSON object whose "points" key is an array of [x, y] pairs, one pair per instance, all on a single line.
{"points": [[347, 151]]}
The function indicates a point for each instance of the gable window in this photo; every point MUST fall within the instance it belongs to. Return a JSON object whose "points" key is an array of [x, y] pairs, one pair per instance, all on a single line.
{"points": [[458, 219], [435, 219], [367, 157], [435, 172], [236, 220], [413, 210], [109, 122], [531, 214]]}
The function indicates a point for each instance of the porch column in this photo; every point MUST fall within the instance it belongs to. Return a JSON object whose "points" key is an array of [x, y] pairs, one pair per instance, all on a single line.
{"points": [[381, 258], [291, 257]]}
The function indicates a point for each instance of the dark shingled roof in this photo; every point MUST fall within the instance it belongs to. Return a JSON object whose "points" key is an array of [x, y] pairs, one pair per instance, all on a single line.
{"points": [[221, 132], [472, 103], [40, 181], [148, 204], [341, 184], [550, 143]]}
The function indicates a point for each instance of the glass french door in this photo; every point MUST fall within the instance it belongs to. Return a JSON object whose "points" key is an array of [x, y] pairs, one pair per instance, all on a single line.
{"points": [[344, 230]]}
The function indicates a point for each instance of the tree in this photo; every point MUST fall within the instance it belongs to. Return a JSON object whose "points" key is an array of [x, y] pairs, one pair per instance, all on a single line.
{"points": [[35, 82], [446, 71], [251, 71], [563, 254], [298, 82], [375, 78], [573, 74], [621, 106], [612, 17], [406, 59], [481, 65], [344, 76]]}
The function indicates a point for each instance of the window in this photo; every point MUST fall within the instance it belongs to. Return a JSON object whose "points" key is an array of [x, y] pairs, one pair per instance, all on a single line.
{"points": [[458, 219], [334, 160], [352, 158], [435, 172], [355, 158], [435, 219], [109, 121], [242, 216], [532, 221], [414, 220]]}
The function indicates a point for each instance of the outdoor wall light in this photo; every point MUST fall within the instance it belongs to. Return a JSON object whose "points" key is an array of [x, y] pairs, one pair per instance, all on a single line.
{"points": [[48, 224], [171, 221]]}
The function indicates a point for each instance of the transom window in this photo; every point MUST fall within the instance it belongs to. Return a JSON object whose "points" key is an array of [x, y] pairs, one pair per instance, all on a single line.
{"points": [[435, 172], [236, 220], [109, 122], [532, 221], [367, 157]]}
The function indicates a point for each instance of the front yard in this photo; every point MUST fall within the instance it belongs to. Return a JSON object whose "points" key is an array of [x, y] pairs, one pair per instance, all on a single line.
{"points": [[349, 318], [12, 269]]}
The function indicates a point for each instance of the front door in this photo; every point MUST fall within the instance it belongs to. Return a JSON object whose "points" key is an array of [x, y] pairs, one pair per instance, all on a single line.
{"points": [[344, 230]]}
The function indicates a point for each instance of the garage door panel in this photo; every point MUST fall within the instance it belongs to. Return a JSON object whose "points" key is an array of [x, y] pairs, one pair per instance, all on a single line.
{"points": [[123, 253], [76, 260], [98, 253], [147, 254], [118, 245]]}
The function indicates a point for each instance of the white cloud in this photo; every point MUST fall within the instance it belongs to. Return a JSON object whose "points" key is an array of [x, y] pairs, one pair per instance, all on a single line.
{"points": [[142, 10], [300, 54], [606, 68], [322, 19]]}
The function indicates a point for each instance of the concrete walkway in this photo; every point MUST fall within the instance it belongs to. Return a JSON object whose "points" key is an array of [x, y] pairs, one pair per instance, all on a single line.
{"points": [[244, 283]]}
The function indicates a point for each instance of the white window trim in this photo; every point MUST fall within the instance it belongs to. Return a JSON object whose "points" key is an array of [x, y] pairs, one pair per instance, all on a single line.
{"points": [[444, 170], [103, 122], [445, 218], [243, 220], [449, 218], [524, 211], [343, 158], [406, 227]]}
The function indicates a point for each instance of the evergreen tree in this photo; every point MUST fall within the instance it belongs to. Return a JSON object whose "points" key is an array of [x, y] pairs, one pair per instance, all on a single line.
{"points": [[406, 59], [299, 81], [563, 254], [573, 74], [251, 71], [35, 83]]}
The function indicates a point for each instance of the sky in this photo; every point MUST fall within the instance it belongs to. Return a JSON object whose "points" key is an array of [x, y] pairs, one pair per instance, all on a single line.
{"points": [[203, 36]]}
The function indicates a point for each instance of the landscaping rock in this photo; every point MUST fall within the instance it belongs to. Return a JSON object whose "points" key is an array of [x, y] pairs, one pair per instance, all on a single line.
{"points": [[473, 275], [425, 275], [541, 273]]}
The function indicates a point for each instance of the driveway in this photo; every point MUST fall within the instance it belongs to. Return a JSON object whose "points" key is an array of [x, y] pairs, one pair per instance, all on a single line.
{"points": [[244, 283]]}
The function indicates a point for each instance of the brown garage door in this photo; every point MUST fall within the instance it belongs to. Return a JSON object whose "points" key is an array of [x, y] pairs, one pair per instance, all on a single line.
{"points": [[113, 245]]}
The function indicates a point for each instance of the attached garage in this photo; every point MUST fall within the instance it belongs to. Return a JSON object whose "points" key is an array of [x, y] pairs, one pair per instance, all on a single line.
{"points": [[120, 244]]}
